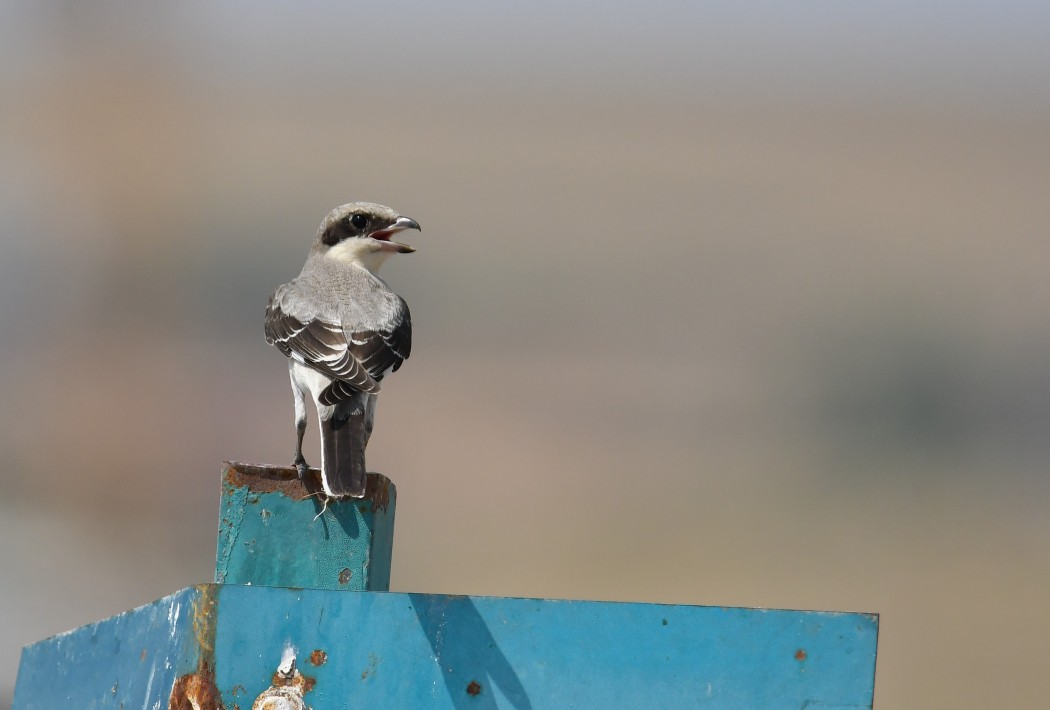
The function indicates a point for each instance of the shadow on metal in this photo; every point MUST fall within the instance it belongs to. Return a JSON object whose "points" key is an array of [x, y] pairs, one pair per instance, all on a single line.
{"points": [[342, 514], [471, 662]]}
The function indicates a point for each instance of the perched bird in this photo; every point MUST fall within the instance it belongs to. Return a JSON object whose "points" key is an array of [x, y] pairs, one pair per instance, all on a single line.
{"points": [[343, 330]]}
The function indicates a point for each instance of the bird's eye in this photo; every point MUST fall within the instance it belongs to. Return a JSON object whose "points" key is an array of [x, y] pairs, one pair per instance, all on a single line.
{"points": [[359, 221]]}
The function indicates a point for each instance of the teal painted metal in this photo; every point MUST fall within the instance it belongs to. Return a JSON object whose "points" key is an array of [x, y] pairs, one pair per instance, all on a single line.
{"points": [[215, 646], [122, 661], [274, 532], [418, 650]]}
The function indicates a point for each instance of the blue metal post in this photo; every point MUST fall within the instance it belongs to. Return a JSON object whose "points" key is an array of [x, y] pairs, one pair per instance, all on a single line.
{"points": [[274, 532]]}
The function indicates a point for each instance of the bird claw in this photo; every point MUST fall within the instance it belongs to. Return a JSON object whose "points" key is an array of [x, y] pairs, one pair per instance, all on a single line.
{"points": [[301, 467]]}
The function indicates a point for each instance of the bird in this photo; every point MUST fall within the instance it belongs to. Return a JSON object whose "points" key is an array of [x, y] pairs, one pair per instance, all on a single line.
{"points": [[343, 330]]}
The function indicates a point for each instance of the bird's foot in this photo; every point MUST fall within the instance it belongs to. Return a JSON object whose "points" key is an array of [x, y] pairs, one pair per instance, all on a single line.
{"points": [[301, 467]]}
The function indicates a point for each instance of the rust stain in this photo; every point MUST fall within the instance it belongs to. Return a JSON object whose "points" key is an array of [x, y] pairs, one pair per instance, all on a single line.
{"points": [[197, 691], [345, 575], [304, 683], [285, 480], [473, 688], [204, 619], [318, 657], [373, 664], [287, 687], [800, 655], [377, 490], [272, 479]]}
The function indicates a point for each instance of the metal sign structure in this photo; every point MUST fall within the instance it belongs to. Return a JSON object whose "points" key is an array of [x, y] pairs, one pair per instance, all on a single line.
{"points": [[265, 640]]}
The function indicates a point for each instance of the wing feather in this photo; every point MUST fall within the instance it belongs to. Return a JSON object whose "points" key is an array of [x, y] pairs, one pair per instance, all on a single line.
{"points": [[356, 359]]}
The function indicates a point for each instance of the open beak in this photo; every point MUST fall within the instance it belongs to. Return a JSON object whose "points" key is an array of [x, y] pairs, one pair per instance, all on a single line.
{"points": [[383, 235]]}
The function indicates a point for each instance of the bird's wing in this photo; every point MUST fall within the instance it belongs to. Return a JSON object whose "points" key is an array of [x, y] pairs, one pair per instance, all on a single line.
{"points": [[379, 350], [314, 341], [382, 350]]}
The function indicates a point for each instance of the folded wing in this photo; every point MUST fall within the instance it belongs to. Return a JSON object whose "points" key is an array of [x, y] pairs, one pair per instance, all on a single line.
{"points": [[355, 359]]}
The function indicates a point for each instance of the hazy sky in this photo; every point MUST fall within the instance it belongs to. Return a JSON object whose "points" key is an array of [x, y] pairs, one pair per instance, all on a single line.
{"points": [[972, 51]]}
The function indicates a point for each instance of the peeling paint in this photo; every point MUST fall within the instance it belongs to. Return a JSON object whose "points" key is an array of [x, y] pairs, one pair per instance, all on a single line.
{"points": [[149, 683], [287, 687]]}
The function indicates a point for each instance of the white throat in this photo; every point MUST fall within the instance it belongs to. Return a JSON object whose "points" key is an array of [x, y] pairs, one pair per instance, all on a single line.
{"points": [[365, 253]]}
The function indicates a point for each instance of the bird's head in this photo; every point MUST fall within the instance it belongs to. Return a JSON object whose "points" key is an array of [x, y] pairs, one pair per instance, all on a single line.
{"points": [[360, 232]]}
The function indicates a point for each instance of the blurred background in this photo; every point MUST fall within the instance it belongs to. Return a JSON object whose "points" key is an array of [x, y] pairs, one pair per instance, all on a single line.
{"points": [[739, 304]]}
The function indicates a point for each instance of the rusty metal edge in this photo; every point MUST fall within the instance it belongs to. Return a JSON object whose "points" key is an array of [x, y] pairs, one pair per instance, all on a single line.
{"points": [[197, 690], [266, 478]]}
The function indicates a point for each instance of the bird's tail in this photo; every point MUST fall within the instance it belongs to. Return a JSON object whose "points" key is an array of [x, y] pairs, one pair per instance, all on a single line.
{"points": [[343, 439]]}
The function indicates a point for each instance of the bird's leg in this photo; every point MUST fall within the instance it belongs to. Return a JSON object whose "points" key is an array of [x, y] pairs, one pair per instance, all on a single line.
{"points": [[299, 461], [300, 427]]}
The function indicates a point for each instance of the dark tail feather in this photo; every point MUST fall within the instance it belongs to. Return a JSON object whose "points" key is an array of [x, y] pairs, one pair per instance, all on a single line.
{"points": [[343, 453]]}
